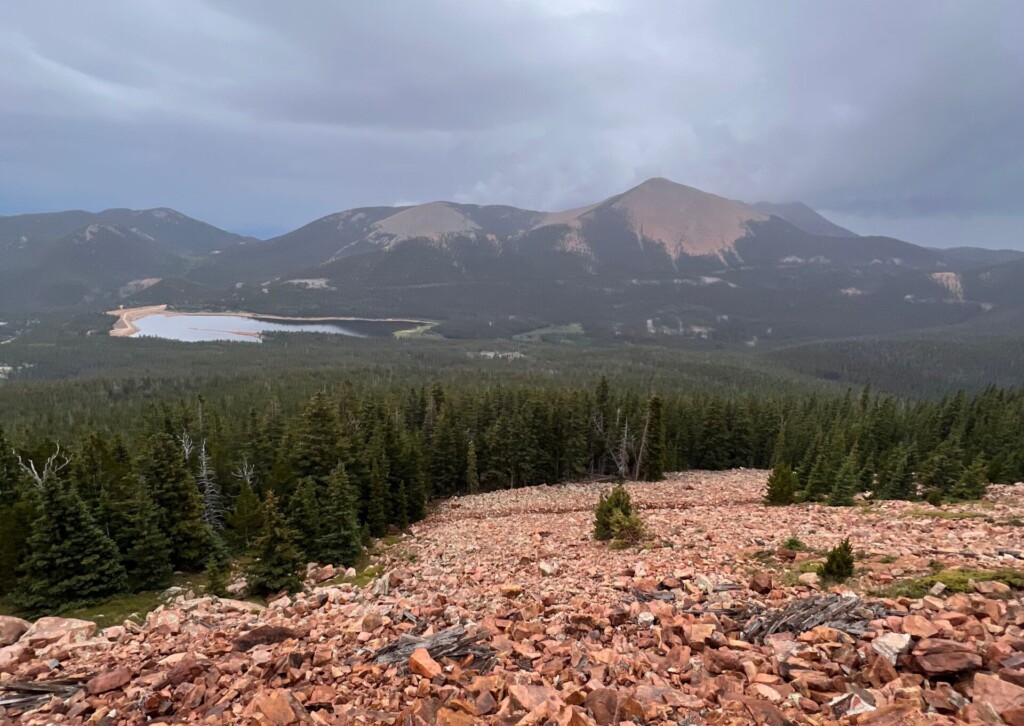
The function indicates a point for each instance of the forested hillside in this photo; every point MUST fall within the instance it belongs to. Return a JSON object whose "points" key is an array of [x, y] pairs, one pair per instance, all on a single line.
{"points": [[118, 508]]}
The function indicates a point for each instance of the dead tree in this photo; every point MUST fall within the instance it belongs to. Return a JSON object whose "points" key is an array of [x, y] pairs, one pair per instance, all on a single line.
{"points": [[213, 506], [55, 464]]}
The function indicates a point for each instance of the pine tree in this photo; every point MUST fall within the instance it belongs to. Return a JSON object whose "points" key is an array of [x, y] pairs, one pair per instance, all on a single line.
{"points": [[377, 506], [69, 560], [218, 567], [317, 446], [181, 507], [652, 451], [895, 480], [973, 482], [277, 563], [341, 542], [245, 522], [146, 550], [941, 470], [847, 483], [304, 518], [781, 486], [838, 565], [472, 477], [10, 473]]}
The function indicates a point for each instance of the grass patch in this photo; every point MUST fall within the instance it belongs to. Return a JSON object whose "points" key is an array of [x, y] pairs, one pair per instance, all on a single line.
{"points": [[794, 543], [552, 331], [955, 581], [944, 514], [117, 609]]}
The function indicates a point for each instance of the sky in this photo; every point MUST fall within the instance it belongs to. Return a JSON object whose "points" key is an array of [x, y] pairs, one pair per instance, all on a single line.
{"points": [[901, 118]]}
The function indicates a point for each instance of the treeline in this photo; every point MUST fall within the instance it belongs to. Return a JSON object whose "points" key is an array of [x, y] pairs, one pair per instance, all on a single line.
{"points": [[188, 486]]}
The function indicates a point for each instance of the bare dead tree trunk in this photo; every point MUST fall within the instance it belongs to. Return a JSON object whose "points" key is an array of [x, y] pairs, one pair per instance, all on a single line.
{"points": [[643, 446], [213, 507], [55, 464]]}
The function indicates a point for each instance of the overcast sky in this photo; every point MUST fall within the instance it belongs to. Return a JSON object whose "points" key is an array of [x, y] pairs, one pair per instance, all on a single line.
{"points": [[905, 118]]}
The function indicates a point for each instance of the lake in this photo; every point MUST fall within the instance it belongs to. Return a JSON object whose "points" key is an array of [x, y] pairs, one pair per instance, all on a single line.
{"points": [[200, 327]]}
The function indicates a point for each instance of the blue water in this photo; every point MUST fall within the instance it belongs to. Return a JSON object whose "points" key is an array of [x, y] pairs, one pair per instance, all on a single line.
{"points": [[199, 328]]}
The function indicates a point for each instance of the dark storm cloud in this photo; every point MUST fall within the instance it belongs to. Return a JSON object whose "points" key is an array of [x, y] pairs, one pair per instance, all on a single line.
{"points": [[902, 118]]}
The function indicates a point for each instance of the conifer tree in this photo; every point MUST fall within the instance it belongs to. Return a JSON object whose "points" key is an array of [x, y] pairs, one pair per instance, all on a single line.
{"points": [[317, 445], [304, 518], [245, 522], [341, 542], [652, 456], [838, 565], [895, 480], [973, 482], [10, 473], [846, 484], [146, 550], [181, 507], [277, 564], [377, 506], [69, 558], [472, 477], [941, 470], [218, 567], [781, 486]]}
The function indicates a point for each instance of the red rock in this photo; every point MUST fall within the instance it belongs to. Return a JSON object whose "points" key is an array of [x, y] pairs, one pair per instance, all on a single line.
{"points": [[109, 681], [603, 705], [11, 629], [1000, 694], [919, 627], [765, 714], [946, 657], [527, 698], [761, 583], [280, 708], [422, 664], [47, 631]]}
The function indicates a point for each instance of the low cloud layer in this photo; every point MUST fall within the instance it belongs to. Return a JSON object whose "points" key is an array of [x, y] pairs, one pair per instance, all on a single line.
{"points": [[900, 118]]}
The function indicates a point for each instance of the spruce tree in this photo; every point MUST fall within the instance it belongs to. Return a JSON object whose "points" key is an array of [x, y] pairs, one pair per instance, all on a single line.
{"points": [[847, 483], [652, 455], [838, 565], [304, 518], [70, 560], [341, 542], [781, 486], [277, 563], [218, 567], [377, 506], [472, 476], [245, 521], [973, 482], [317, 445], [146, 550], [181, 507]]}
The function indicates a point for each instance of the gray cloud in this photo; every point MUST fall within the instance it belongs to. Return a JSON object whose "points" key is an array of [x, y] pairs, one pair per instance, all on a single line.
{"points": [[900, 118]]}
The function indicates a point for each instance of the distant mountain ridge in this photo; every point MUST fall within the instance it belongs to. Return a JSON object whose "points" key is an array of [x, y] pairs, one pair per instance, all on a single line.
{"points": [[660, 261]]}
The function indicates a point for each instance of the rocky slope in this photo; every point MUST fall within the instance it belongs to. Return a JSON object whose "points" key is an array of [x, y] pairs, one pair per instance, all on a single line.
{"points": [[570, 631]]}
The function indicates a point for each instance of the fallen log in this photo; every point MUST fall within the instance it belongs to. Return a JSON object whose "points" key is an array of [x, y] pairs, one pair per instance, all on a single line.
{"points": [[26, 696], [454, 643], [850, 614]]}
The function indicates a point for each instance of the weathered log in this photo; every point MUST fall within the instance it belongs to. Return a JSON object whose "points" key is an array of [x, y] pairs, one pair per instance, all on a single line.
{"points": [[25, 696], [454, 643], [850, 614]]}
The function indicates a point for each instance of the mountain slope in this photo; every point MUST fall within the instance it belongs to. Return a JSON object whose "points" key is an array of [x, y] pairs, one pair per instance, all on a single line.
{"points": [[803, 217], [22, 235]]}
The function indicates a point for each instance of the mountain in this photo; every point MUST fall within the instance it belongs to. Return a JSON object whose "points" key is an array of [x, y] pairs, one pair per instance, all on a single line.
{"points": [[803, 217], [661, 261], [979, 256], [96, 262], [21, 235]]}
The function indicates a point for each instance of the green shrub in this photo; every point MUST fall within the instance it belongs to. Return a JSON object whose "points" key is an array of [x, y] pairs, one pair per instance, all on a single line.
{"points": [[626, 528], [838, 566], [934, 497], [617, 500], [794, 543]]}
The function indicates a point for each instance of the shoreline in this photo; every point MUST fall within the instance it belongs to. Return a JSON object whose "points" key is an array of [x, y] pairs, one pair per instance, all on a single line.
{"points": [[124, 326]]}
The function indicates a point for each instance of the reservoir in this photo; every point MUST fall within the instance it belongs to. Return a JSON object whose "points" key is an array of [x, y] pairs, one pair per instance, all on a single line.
{"points": [[158, 322]]}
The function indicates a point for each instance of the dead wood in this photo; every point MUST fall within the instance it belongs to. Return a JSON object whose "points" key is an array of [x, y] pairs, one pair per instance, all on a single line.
{"points": [[454, 643], [848, 614]]}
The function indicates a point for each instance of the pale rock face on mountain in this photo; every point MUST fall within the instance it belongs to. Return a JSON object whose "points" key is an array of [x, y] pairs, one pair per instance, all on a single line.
{"points": [[686, 221], [432, 221]]}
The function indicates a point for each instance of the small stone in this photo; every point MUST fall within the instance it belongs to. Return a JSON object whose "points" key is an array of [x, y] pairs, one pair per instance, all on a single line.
{"points": [[919, 627], [809, 578], [645, 620], [548, 569], [891, 645], [761, 583], [109, 681], [422, 664]]}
